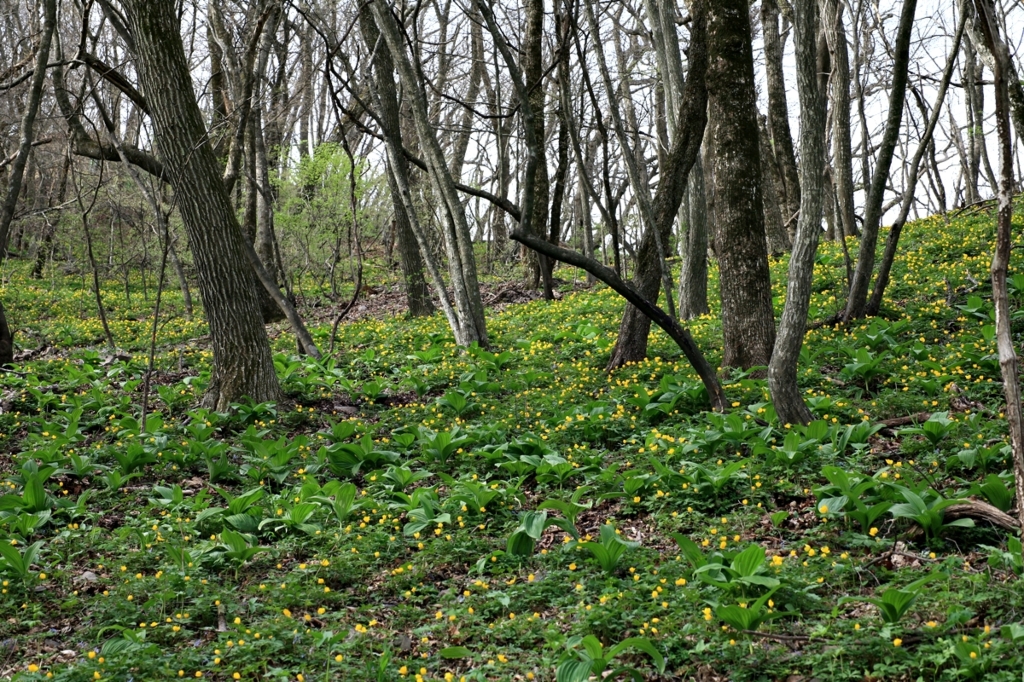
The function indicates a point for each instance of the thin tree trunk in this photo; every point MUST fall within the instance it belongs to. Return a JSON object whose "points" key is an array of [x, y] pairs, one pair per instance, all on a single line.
{"points": [[1001, 257], [383, 85], [629, 343], [634, 329], [84, 212], [458, 242], [782, 371], [693, 279], [857, 302], [882, 281], [775, 229], [28, 123], [842, 149], [975, 136], [1014, 84], [778, 110]]}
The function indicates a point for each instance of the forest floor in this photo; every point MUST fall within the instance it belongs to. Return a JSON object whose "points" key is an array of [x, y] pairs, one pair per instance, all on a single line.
{"points": [[419, 511]]}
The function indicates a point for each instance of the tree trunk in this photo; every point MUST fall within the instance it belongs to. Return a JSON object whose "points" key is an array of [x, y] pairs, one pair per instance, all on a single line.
{"points": [[533, 73], [6, 340], [631, 345], [417, 293], [778, 111], [842, 149], [1004, 238], [879, 179], [1015, 87], [458, 243], [889, 256], [243, 365], [975, 137], [775, 229], [269, 310], [748, 321], [693, 280], [28, 123], [782, 371]]}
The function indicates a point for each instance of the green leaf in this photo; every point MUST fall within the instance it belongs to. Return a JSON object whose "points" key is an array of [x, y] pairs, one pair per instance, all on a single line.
{"points": [[456, 652], [749, 561], [593, 647], [573, 670], [644, 645], [690, 550]]}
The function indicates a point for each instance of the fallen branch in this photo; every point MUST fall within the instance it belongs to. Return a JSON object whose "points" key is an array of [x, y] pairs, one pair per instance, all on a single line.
{"points": [[983, 511]]}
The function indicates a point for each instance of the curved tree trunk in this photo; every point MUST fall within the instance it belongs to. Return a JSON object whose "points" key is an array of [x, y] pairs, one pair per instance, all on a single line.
{"points": [[243, 365], [635, 326], [782, 371], [748, 321], [1004, 237]]}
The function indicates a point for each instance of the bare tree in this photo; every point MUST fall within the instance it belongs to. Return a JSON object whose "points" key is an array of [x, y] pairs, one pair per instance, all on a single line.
{"points": [[458, 242], [857, 302], [1001, 72], [782, 370], [778, 111], [889, 256], [28, 122], [243, 365]]}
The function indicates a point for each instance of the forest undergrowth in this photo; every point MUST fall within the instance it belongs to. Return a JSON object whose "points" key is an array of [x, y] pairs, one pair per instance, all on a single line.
{"points": [[416, 511]]}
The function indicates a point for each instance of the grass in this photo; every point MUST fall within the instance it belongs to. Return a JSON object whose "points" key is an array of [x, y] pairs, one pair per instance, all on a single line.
{"points": [[417, 511]]}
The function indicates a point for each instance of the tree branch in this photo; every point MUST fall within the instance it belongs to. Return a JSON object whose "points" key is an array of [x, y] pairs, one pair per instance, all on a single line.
{"points": [[658, 316]]}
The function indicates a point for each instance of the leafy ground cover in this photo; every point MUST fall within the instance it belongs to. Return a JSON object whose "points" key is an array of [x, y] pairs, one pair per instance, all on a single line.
{"points": [[422, 512]]}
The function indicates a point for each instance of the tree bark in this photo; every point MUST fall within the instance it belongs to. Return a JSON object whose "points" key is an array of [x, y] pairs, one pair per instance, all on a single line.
{"points": [[6, 340], [782, 370], [857, 302], [631, 345], [28, 123], [458, 242], [1001, 258], [693, 279], [636, 171], [417, 293], [771, 197], [842, 150], [533, 72], [1015, 88], [975, 136], [748, 321], [243, 365], [778, 111]]}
